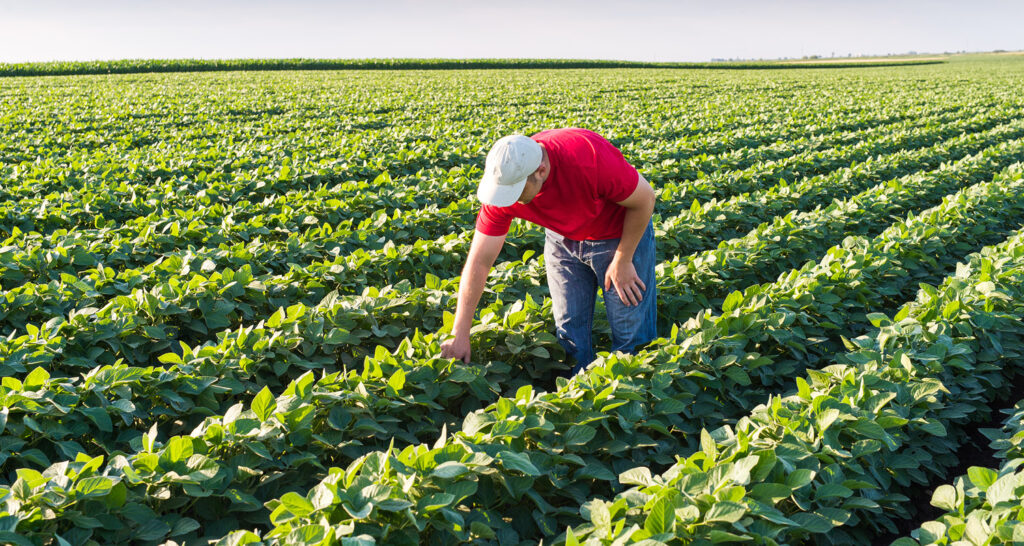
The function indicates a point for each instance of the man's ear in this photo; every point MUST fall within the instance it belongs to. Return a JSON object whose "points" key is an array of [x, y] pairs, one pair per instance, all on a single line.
{"points": [[542, 171]]}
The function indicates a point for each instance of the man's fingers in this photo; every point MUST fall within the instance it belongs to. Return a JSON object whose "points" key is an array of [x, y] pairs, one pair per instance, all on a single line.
{"points": [[622, 292], [630, 298], [635, 292]]}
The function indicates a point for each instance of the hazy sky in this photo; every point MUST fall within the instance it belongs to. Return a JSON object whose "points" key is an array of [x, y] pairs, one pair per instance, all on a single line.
{"points": [[656, 30]]}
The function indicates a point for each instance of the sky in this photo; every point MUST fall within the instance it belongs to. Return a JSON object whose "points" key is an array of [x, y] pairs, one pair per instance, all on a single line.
{"points": [[641, 30]]}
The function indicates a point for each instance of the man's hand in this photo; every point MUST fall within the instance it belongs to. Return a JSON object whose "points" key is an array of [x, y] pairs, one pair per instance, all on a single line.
{"points": [[482, 252], [456, 347], [628, 285]]}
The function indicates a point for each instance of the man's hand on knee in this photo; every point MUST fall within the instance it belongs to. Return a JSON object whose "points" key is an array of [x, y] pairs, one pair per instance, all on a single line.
{"points": [[622, 274]]}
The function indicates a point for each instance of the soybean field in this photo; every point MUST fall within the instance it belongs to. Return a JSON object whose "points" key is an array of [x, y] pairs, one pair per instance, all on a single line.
{"points": [[224, 295]]}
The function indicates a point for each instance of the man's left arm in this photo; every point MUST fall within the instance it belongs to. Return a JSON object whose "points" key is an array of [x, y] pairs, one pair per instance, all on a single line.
{"points": [[621, 273]]}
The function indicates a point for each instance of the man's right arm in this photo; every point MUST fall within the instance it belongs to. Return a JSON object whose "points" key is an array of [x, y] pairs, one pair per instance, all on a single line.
{"points": [[482, 252]]}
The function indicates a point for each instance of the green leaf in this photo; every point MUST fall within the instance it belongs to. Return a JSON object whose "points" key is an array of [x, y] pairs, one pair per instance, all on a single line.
{"points": [[718, 537], [637, 476], [35, 378], [570, 538], [100, 417], [578, 435], [770, 493], [184, 526], [153, 529], [482, 530], [878, 319], [397, 380], [118, 496], [518, 461], [476, 421], [435, 501], [981, 477], [931, 532], [1002, 490], [799, 478], [170, 358], [297, 504], [726, 511], [832, 490], [933, 427], [812, 523], [10, 537], [263, 405], [661, 518], [708, 445], [945, 497], [94, 486], [450, 469], [310, 534], [732, 301]]}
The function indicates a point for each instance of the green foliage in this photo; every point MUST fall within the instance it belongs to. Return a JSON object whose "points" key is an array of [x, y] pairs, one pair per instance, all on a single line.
{"points": [[224, 296]]}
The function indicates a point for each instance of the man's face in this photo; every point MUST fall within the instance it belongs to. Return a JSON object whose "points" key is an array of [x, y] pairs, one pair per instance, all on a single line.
{"points": [[531, 189], [534, 183]]}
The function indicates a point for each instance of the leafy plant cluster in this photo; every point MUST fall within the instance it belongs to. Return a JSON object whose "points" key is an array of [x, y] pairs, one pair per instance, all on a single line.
{"points": [[983, 507], [629, 410], [828, 461], [221, 294]]}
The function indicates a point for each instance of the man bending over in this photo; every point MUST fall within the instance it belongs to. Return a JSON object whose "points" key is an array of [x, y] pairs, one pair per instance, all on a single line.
{"points": [[597, 210]]}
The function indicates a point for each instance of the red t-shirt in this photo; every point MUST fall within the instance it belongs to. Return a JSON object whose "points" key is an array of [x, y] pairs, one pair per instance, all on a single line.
{"points": [[579, 198]]}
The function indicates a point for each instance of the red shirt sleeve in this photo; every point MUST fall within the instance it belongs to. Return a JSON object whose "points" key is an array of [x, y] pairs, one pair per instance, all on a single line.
{"points": [[619, 179], [493, 221]]}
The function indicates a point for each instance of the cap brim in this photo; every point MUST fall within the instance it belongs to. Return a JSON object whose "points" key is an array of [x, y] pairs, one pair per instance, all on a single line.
{"points": [[499, 195]]}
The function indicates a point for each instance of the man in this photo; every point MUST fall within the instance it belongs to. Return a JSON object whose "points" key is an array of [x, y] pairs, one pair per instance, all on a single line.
{"points": [[597, 210]]}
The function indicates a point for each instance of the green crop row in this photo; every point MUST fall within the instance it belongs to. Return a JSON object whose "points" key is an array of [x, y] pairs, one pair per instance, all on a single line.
{"points": [[241, 302], [125, 338], [713, 221], [827, 463], [308, 213], [565, 407], [226, 294], [703, 280], [116, 154], [553, 445], [753, 172], [224, 302]]}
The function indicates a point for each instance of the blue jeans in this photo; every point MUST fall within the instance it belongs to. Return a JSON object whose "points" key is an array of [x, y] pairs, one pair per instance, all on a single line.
{"points": [[575, 270]]}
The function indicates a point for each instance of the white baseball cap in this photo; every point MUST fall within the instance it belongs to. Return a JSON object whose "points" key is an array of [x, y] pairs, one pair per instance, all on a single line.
{"points": [[510, 162]]}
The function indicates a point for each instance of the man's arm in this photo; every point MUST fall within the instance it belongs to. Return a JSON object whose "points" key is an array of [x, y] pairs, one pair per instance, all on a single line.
{"points": [[621, 273], [482, 252]]}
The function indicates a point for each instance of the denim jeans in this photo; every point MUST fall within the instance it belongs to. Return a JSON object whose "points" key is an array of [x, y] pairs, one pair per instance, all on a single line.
{"points": [[575, 270]]}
